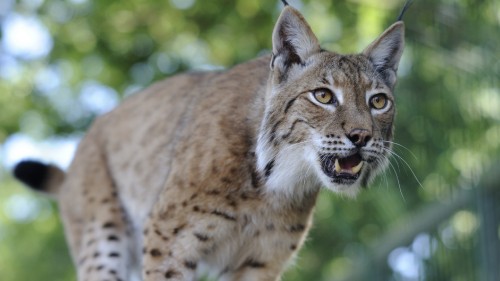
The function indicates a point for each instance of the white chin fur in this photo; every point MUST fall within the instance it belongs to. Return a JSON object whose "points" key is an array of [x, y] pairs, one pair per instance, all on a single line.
{"points": [[350, 191]]}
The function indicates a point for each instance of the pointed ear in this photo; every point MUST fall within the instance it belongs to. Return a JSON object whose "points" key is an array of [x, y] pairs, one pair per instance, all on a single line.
{"points": [[386, 51], [293, 39]]}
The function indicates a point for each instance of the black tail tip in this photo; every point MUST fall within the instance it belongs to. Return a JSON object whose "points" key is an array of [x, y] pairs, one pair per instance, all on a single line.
{"points": [[32, 173]]}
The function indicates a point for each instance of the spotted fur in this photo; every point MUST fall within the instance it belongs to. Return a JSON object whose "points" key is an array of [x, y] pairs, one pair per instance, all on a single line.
{"points": [[219, 171]]}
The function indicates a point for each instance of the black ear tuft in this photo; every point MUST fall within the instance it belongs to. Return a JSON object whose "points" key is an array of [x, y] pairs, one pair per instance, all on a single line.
{"points": [[285, 2], [403, 11], [32, 173]]}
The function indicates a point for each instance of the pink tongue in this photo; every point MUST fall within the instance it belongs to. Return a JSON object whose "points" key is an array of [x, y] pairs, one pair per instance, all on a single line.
{"points": [[349, 162]]}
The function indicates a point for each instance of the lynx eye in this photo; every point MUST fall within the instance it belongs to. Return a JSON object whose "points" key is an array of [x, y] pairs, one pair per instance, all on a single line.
{"points": [[378, 101], [325, 96]]}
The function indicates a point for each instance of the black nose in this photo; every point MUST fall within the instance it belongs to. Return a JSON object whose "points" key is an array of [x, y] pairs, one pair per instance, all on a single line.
{"points": [[359, 137]]}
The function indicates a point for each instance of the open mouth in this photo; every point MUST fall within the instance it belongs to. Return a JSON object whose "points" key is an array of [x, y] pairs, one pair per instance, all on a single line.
{"points": [[342, 170]]}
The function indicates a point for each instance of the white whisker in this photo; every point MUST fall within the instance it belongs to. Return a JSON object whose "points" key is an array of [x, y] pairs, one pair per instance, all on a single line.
{"points": [[402, 146], [399, 184], [391, 154], [384, 172], [406, 163]]}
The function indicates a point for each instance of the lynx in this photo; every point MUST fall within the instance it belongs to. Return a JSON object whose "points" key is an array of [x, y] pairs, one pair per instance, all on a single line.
{"points": [[219, 172]]}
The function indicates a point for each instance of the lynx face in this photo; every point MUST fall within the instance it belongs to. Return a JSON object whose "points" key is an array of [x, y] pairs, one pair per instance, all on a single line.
{"points": [[329, 116], [342, 118]]}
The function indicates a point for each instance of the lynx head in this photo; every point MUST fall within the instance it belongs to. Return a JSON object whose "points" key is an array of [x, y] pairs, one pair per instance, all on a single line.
{"points": [[328, 117]]}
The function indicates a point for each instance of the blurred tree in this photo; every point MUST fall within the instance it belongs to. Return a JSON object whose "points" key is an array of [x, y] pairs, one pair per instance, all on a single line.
{"points": [[448, 99]]}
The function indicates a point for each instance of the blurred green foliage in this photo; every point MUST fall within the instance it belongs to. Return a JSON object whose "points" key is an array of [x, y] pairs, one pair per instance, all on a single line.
{"points": [[448, 101]]}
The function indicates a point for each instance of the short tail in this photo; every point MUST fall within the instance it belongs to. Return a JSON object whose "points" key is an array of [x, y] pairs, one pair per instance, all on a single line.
{"points": [[39, 176]]}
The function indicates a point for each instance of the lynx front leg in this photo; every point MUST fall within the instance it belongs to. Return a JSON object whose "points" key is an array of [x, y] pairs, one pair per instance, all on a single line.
{"points": [[255, 274], [268, 254], [172, 251], [178, 238], [264, 268], [168, 262]]}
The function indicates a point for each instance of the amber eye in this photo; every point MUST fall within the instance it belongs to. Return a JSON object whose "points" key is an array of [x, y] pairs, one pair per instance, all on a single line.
{"points": [[324, 96], [378, 101]]}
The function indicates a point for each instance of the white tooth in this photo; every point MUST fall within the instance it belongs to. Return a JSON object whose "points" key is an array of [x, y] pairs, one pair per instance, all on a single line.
{"points": [[357, 168], [337, 165]]}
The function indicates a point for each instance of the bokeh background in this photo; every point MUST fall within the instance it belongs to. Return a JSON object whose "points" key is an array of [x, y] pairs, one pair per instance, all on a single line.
{"points": [[433, 215]]}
